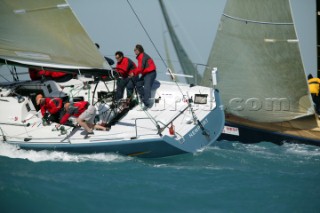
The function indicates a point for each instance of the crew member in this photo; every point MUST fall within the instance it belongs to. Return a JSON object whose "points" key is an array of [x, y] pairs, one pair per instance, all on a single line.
{"points": [[85, 114], [49, 107], [314, 90], [125, 67], [147, 69]]}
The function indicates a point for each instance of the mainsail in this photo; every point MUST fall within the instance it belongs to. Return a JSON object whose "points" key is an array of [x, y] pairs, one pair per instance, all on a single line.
{"points": [[185, 63], [45, 34], [261, 73]]}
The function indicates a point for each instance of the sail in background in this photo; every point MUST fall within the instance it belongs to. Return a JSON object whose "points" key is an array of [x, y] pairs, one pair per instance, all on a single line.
{"points": [[45, 33], [168, 57], [185, 63], [257, 53]]}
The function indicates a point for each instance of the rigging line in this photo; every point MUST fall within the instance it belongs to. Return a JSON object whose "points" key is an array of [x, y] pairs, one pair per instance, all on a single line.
{"points": [[12, 73], [4, 78], [3, 135], [189, 105], [184, 31], [256, 22], [163, 61], [27, 132], [168, 69], [10, 70]]}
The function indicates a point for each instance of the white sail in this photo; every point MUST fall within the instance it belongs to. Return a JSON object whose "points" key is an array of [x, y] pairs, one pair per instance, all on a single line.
{"points": [[261, 73], [46, 34]]}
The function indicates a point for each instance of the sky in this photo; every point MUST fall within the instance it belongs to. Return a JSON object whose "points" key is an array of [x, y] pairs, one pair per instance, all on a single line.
{"points": [[304, 17], [113, 25]]}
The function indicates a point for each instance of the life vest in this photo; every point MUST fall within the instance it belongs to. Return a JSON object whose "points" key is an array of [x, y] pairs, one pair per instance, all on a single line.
{"points": [[125, 66], [145, 64], [314, 85], [52, 105], [79, 108], [75, 109]]}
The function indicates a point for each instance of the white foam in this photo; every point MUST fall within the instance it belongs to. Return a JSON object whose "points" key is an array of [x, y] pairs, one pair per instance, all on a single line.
{"points": [[12, 151], [303, 150]]}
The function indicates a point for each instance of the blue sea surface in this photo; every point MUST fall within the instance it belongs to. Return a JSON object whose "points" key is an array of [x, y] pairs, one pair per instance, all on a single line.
{"points": [[226, 177]]}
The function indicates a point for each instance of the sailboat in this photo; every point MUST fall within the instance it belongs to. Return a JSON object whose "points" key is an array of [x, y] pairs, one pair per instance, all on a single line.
{"points": [[262, 79], [263, 82], [46, 35]]}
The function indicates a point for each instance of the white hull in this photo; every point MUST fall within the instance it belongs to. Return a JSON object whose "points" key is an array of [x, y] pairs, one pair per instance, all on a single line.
{"points": [[137, 133]]}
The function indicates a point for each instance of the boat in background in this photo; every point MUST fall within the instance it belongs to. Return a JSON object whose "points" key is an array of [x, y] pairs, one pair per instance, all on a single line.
{"points": [[262, 80], [46, 35]]}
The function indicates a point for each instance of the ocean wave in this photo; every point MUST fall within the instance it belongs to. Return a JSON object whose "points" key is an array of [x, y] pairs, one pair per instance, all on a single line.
{"points": [[268, 150], [11, 151], [302, 150]]}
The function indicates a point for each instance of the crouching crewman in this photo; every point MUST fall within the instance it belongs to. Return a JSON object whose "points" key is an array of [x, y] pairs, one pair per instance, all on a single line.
{"points": [[85, 114]]}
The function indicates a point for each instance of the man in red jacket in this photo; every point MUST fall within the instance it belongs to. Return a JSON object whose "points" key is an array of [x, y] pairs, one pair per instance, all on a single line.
{"points": [[85, 114], [50, 107], [125, 67], [75, 110], [147, 69]]}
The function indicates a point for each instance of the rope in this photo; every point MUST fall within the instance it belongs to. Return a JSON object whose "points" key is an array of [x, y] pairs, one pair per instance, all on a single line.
{"points": [[3, 135], [147, 33], [4, 78], [256, 22], [11, 71], [153, 120], [168, 69]]}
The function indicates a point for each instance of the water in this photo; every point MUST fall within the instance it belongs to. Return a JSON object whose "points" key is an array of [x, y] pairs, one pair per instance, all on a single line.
{"points": [[227, 177]]}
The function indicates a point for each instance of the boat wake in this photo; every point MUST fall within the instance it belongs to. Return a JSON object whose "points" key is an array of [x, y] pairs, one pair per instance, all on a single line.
{"points": [[267, 151], [11, 151], [302, 150]]}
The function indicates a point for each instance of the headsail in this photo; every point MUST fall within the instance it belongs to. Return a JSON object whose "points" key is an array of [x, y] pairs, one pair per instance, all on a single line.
{"points": [[260, 68], [45, 33], [185, 63], [169, 61]]}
